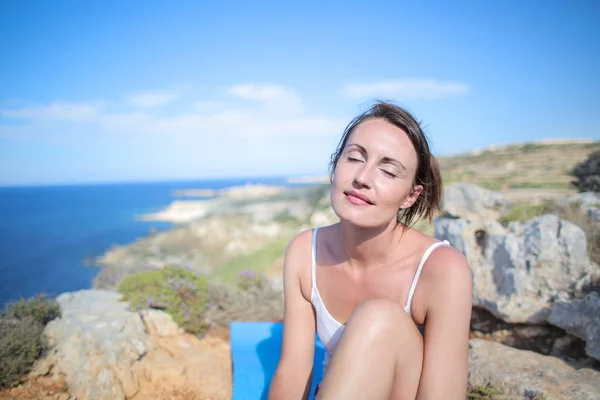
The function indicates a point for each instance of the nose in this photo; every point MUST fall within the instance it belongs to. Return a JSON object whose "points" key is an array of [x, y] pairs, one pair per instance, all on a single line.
{"points": [[363, 177]]}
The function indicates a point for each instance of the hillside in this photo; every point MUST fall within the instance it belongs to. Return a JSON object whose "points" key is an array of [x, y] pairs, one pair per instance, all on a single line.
{"points": [[528, 169]]}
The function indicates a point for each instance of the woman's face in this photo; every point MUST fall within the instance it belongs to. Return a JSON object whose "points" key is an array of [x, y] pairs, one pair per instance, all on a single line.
{"points": [[374, 175]]}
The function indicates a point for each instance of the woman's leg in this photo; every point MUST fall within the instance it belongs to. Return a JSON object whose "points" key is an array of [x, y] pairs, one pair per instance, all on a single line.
{"points": [[378, 357]]}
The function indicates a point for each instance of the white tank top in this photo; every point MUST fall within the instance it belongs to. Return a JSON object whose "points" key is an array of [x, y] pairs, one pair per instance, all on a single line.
{"points": [[328, 328]]}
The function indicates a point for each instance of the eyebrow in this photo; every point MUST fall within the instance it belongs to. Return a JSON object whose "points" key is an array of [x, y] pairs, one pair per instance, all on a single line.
{"points": [[387, 160]]}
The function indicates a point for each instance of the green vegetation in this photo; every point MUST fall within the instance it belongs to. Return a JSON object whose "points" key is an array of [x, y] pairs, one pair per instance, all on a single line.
{"points": [[21, 336], [531, 147], [540, 185], [482, 392], [526, 166], [257, 261], [251, 300], [248, 280], [523, 212], [587, 174], [40, 309], [177, 290]]}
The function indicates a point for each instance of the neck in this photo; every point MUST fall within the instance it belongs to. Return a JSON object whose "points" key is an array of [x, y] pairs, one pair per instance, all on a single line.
{"points": [[369, 246]]}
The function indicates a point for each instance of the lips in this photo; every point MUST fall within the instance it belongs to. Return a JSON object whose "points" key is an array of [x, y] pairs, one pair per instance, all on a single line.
{"points": [[358, 198]]}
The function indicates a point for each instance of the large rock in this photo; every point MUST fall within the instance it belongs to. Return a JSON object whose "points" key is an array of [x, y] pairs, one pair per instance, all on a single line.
{"points": [[473, 203], [105, 351], [580, 318], [96, 342], [517, 276], [521, 374]]}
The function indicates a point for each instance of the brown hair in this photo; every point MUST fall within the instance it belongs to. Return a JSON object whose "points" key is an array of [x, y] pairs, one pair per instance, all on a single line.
{"points": [[428, 172]]}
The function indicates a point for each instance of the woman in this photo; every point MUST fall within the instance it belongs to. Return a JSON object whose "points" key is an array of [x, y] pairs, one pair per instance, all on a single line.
{"points": [[368, 282]]}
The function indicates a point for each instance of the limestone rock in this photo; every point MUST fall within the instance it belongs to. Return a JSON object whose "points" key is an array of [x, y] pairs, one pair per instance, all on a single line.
{"points": [[517, 276], [473, 203], [104, 351], [580, 318], [521, 374], [95, 343], [160, 323]]}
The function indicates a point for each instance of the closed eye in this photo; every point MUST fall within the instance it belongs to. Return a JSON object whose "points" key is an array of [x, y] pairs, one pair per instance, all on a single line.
{"points": [[351, 159], [388, 174]]}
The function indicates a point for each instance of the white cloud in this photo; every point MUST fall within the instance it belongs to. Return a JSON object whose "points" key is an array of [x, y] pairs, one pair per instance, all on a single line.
{"points": [[151, 99], [273, 96], [230, 117], [411, 88], [239, 134], [66, 111]]}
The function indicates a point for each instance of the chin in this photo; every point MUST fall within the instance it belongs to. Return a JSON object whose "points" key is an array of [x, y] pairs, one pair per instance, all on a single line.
{"points": [[361, 217]]}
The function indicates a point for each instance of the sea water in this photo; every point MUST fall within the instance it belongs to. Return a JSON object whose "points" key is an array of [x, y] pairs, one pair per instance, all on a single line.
{"points": [[47, 233]]}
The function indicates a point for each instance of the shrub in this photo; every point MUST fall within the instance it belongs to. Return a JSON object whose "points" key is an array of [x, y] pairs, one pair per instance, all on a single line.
{"points": [[257, 303], [21, 344], [21, 340], [40, 309], [178, 291], [587, 174], [249, 279]]}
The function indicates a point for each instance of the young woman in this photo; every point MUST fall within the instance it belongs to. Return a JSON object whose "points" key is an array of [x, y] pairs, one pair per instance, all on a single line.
{"points": [[367, 283]]}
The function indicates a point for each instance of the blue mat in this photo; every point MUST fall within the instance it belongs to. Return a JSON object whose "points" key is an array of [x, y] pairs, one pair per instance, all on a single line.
{"points": [[255, 351]]}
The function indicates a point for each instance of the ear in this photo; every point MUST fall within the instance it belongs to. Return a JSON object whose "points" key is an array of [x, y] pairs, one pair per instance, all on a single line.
{"points": [[412, 197]]}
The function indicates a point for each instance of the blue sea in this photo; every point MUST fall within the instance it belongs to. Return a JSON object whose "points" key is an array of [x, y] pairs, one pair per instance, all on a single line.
{"points": [[46, 233]]}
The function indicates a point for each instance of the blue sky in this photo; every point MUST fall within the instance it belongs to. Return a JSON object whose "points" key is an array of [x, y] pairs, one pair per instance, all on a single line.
{"points": [[104, 91]]}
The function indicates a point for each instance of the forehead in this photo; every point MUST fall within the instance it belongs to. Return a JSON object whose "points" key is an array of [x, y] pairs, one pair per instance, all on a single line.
{"points": [[382, 138]]}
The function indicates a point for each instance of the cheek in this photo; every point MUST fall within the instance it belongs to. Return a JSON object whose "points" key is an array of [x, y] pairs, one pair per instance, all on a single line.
{"points": [[392, 194]]}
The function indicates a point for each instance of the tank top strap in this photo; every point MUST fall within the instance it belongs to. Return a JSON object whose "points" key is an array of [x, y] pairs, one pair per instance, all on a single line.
{"points": [[426, 255], [314, 259]]}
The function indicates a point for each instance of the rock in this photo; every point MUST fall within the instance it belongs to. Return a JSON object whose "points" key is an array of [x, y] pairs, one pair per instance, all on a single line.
{"points": [[585, 199], [517, 276], [160, 323], [95, 342], [473, 203], [41, 367], [521, 374], [589, 203], [105, 351], [580, 318]]}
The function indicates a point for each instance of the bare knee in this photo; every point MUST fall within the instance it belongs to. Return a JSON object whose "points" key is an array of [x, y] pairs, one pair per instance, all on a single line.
{"points": [[383, 317]]}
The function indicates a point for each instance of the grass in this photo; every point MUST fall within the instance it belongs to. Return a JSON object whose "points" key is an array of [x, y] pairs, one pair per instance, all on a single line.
{"points": [[541, 185], [257, 261], [524, 212]]}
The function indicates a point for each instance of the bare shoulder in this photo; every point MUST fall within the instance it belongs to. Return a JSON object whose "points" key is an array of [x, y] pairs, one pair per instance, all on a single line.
{"points": [[444, 263], [447, 273], [299, 243]]}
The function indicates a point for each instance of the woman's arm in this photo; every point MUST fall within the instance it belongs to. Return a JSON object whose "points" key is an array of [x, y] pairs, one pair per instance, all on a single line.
{"points": [[446, 341], [293, 376]]}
